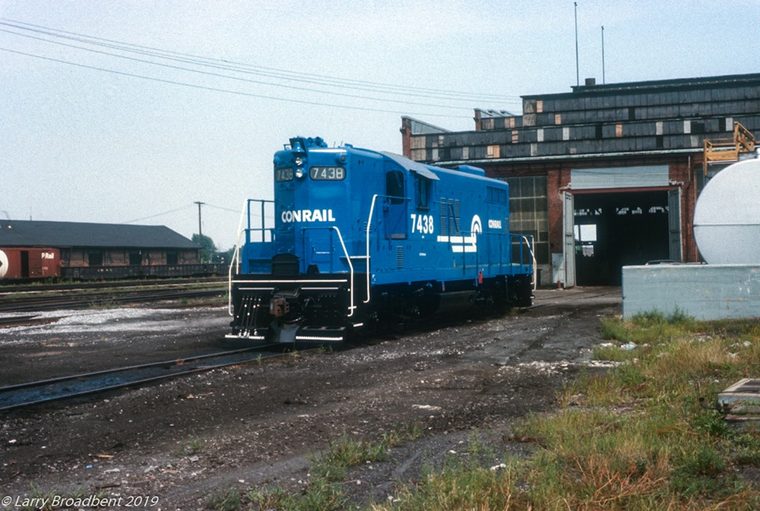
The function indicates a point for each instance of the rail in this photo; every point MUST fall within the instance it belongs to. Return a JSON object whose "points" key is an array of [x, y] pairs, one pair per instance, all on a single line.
{"points": [[65, 387]]}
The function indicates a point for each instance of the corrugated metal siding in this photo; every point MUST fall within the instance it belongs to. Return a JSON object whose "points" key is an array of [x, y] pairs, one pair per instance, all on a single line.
{"points": [[619, 177]]}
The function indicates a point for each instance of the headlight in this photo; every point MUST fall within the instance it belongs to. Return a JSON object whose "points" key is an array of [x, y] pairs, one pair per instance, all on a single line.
{"points": [[299, 172], [299, 161]]}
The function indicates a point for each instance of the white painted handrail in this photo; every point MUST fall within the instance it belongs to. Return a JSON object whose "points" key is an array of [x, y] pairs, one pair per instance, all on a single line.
{"points": [[235, 258], [351, 269], [369, 226], [532, 257]]}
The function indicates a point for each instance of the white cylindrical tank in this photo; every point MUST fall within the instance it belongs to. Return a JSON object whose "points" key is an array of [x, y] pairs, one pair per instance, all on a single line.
{"points": [[727, 216]]}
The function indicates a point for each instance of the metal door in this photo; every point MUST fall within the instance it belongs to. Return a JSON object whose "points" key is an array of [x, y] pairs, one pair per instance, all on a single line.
{"points": [[568, 233], [674, 224], [395, 205]]}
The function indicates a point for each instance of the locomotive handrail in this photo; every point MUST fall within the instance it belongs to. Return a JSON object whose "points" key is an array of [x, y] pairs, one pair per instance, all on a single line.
{"points": [[530, 244], [235, 262], [245, 216]]}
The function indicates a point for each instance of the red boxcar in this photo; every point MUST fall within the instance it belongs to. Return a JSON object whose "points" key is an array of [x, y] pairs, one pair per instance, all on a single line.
{"points": [[27, 263]]}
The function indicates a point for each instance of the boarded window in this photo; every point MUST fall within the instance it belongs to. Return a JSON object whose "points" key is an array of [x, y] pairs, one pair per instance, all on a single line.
{"points": [[539, 106], [565, 133], [619, 130], [417, 143], [465, 153], [557, 118], [492, 151], [510, 122], [486, 124], [540, 134], [515, 136], [686, 127], [171, 257]]}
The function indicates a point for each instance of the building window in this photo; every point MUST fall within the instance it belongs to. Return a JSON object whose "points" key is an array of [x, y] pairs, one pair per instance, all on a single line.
{"points": [[539, 106], [557, 118], [486, 124], [465, 153], [171, 257], [492, 151], [95, 258], [540, 134], [619, 130], [515, 136], [529, 213], [565, 133], [135, 258]]}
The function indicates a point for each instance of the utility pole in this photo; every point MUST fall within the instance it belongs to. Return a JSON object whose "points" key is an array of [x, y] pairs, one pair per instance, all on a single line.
{"points": [[200, 229], [577, 68], [603, 77]]}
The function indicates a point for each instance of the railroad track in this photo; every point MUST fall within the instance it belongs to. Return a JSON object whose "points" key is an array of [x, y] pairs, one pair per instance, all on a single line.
{"points": [[6, 288], [75, 301], [54, 389]]}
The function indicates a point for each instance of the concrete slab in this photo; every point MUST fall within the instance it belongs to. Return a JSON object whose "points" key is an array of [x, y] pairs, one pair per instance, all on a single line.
{"points": [[703, 291]]}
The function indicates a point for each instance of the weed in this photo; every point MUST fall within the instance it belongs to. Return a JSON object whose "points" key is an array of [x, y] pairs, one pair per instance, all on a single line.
{"points": [[194, 446], [644, 438], [228, 500]]}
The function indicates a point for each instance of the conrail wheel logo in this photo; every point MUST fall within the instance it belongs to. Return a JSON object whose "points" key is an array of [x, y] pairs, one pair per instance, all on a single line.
{"points": [[466, 244], [307, 215], [3, 264]]}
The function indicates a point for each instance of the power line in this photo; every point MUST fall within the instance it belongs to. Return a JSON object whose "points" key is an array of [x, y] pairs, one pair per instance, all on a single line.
{"points": [[262, 70], [227, 91], [236, 211], [159, 214], [220, 75]]}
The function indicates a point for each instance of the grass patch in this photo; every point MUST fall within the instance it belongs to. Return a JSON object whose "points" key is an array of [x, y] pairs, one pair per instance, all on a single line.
{"points": [[325, 490], [643, 435]]}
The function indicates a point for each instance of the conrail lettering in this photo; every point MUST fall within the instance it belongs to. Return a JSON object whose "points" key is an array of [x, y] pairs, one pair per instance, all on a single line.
{"points": [[307, 215]]}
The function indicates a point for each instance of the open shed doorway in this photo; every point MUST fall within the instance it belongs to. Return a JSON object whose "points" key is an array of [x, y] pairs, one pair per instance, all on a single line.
{"points": [[616, 229]]}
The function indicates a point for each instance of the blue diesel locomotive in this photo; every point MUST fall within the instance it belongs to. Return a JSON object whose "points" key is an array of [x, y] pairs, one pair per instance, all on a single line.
{"points": [[354, 236]]}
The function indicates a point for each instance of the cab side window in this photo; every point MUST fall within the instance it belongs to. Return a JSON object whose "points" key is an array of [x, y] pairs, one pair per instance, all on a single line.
{"points": [[423, 187], [394, 186]]}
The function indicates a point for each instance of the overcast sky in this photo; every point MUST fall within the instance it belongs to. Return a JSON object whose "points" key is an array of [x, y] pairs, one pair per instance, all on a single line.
{"points": [[93, 136]]}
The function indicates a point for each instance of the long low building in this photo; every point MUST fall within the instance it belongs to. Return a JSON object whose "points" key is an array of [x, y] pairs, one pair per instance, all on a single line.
{"points": [[41, 248], [606, 175]]}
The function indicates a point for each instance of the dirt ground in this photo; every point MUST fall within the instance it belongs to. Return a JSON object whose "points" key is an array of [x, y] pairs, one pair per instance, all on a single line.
{"points": [[259, 424]]}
